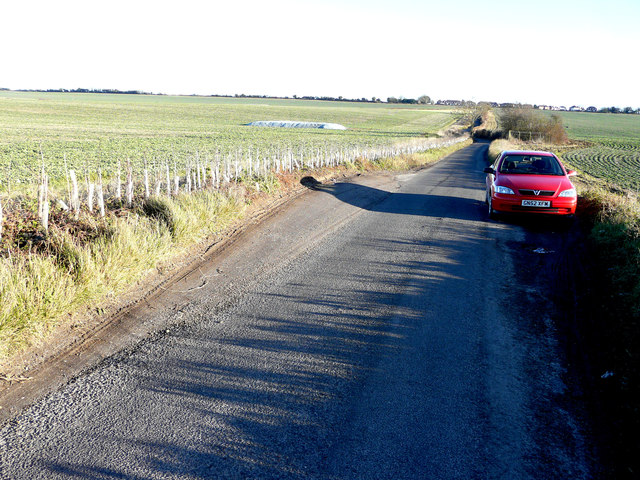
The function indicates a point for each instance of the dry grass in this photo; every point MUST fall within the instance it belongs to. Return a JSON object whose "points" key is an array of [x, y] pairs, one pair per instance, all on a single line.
{"points": [[488, 127], [65, 274]]}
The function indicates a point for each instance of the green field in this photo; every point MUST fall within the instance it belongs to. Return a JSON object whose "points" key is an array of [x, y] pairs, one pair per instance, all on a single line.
{"points": [[613, 150], [617, 163], [597, 127], [93, 130]]}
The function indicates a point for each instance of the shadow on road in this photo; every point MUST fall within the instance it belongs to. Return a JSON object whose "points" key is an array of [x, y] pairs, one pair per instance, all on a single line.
{"points": [[268, 398], [383, 201]]}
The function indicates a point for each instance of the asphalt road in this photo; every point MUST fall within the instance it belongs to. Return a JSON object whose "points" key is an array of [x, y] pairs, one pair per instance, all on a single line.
{"points": [[381, 328]]}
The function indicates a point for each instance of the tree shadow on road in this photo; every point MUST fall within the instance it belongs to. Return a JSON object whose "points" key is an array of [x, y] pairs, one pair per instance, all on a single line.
{"points": [[268, 397]]}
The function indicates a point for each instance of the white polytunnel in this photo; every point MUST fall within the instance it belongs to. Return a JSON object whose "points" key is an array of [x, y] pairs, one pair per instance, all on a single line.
{"points": [[295, 124]]}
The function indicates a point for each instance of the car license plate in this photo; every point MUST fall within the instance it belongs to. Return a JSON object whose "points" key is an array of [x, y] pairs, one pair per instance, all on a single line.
{"points": [[536, 203]]}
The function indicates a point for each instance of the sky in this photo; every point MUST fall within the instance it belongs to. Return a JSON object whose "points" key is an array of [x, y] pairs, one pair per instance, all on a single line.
{"points": [[556, 52]]}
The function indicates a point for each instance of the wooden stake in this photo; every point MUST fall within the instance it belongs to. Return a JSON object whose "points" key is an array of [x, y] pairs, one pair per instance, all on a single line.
{"points": [[92, 187], [197, 180], [118, 182], [43, 200], [45, 209], [146, 180], [158, 176], [168, 179], [66, 172], [129, 184], [100, 194], [176, 179], [75, 199]]}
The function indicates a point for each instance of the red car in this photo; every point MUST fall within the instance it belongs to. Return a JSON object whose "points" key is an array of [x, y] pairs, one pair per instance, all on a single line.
{"points": [[530, 182]]}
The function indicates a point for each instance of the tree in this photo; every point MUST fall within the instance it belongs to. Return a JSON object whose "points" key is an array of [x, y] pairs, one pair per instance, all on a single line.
{"points": [[531, 121], [424, 100]]}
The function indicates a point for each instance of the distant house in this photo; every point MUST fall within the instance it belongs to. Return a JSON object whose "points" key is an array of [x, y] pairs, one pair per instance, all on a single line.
{"points": [[576, 108], [545, 107], [450, 103]]}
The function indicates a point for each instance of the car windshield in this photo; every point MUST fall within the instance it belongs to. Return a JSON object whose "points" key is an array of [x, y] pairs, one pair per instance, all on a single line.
{"points": [[530, 165]]}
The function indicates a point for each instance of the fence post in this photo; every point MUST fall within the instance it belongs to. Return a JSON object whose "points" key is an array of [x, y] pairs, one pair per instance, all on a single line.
{"points": [[92, 188], [100, 194], [197, 181], [176, 179], [43, 202], [75, 199], [146, 180], [129, 184], [168, 179], [119, 182]]}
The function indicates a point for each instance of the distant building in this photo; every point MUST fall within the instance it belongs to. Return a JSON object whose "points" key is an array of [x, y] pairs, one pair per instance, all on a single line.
{"points": [[450, 103], [576, 108]]}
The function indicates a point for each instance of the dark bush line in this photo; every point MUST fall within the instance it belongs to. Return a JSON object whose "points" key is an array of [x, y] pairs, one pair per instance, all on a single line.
{"points": [[486, 134]]}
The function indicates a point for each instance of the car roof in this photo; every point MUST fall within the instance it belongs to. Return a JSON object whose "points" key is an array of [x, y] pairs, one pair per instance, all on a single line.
{"points": [[528, 152]]}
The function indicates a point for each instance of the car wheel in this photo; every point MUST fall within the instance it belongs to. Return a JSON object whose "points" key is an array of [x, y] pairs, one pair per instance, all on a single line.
{"points": [[491, 211]]}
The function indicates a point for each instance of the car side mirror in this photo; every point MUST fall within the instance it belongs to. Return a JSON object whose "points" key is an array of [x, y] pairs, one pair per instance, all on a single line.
{"points": [[571, 173], [490, 170]]}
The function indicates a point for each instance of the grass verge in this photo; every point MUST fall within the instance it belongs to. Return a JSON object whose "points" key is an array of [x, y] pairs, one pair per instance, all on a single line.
{"points": [[610, 321], [83, 262], [62, 272]]}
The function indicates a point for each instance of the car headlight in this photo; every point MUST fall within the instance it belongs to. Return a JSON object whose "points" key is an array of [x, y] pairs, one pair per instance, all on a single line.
{"points": [[568, 193], [507, 190]]}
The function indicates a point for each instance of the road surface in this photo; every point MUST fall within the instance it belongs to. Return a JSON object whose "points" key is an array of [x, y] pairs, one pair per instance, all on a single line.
{"points": [[380, 328]]}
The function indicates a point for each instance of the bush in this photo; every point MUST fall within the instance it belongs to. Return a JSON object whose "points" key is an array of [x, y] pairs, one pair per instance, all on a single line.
{"points": [[521, 119]]}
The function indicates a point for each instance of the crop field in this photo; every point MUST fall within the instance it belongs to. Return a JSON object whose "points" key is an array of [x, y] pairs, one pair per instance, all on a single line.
{"points": [[618, 163], [599, 127], [86, 131], [613, 149]]}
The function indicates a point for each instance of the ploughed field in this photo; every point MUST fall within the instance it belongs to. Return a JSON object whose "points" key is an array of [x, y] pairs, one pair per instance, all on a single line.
{"points": [[612, 149], [618, 163], [84, 131]]}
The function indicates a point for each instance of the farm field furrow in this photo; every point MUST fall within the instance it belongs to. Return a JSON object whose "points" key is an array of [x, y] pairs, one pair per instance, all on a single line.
{"points": [[620, 166], [613, 153]]}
